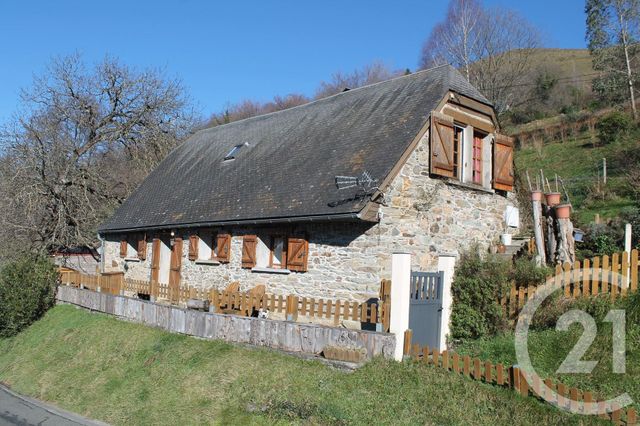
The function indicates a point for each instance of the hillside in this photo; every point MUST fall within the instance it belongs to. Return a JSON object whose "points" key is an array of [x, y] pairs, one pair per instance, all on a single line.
{"points": [[570, 63], [579, 163], [127, 373]]}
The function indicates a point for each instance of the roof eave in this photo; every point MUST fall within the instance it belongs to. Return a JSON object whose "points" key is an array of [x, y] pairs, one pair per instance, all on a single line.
{"points": [[261, 221]]}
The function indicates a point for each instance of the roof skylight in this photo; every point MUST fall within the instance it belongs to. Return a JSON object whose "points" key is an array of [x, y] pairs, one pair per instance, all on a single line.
{"points": [[234, 151]]}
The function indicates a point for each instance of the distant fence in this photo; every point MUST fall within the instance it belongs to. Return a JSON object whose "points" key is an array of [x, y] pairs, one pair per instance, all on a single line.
{"points": [[590, 277], [374, 314], [513, 378]]}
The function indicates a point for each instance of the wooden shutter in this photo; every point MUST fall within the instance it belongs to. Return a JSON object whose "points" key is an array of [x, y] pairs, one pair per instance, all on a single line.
{"points": [[176, 254], [155, 260], [142, 247], [249, 244], [503, 163], [174, 270], [123, 248], [297, 254], [223, 245], [193, 247], [441, 141]]}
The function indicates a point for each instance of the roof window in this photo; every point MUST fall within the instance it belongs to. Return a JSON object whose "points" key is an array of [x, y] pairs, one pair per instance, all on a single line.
{"points": [[234, 151]]}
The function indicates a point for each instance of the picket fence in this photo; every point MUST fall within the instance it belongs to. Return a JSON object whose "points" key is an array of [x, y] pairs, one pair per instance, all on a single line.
{"points": [[374, 315], [591, 277], [513, 378]]}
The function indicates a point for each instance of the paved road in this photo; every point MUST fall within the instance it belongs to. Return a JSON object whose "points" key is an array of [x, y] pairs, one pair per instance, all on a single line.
{"points": [[22, 411]]}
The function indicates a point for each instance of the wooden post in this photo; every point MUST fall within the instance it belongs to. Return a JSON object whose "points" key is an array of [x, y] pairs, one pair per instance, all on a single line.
{"points": [[536, 204], [408, 334]]}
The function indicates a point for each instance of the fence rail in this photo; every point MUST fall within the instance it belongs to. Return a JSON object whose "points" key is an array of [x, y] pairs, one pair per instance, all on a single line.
{"points": [[616, 276], [247, 303], [513, 378]]}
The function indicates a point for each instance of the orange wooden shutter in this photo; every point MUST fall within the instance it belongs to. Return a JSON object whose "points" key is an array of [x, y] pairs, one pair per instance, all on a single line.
{"points": [[297, 254], [249, 243], [193, 247], [176, 255], [142, 247], [223, 248], [155, 260], [503, 163], [123, 248], [441, 141]]}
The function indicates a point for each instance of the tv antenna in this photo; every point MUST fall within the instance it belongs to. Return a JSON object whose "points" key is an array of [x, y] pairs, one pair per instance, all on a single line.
{"points": [[364, 182]]}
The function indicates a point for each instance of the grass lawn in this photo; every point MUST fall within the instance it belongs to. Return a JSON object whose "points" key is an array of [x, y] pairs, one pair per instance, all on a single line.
{"points": [[126, 373], [548, 348]]}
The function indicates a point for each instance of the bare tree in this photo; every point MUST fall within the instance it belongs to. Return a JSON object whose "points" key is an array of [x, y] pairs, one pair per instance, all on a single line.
{"points": [[460, 44], [82, 141], [369, 74], [372, 73], [492, 47], [613, 33]]}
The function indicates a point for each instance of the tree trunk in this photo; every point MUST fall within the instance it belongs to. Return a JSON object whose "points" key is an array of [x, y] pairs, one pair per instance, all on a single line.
{"points": [[625, 46], [566, 246], [537, 229]]}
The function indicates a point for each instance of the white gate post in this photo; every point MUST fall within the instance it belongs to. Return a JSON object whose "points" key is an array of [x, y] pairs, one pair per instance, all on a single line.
{"points": [[627, 248], [400, 282], [446, 263]]}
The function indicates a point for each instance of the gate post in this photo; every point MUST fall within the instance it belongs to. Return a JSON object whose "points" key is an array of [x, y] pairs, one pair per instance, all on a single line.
{"points": [[400, 282], [446, 265]]}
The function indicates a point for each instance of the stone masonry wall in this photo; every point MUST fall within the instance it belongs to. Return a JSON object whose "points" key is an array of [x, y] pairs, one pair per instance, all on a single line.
{"points": [[423, 216], [283, 335]]}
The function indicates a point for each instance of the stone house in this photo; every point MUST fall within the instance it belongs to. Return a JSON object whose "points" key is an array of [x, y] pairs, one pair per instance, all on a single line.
{"points": [[256, 200]]}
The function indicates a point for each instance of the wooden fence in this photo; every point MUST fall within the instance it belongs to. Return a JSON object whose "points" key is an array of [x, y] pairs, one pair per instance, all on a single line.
{"points": [[590, 277], [106, 283], [511, 377], [246, 303]]}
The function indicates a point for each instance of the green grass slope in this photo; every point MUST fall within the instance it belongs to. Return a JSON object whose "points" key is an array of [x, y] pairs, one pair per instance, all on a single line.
{"points": [[577, 161], [548, 349], [125, 373]]}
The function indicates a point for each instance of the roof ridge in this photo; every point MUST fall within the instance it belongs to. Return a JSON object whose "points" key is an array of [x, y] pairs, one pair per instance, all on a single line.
{"points": [[314, 101]]}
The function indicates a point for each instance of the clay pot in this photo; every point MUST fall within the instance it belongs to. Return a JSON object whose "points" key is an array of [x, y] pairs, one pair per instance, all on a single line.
{"points": [[536, 195], [552, 198], [502, 248], [563, 211]]}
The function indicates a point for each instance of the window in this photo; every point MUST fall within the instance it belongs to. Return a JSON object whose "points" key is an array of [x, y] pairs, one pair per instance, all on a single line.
{"points": [[271, 252], [461, 152], [278, 253], [232, 154], [275, 253], [129, 247], [206, 246]]}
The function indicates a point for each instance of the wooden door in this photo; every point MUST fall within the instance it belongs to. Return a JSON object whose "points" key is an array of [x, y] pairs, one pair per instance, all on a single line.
{"points": [[155, 265], [174, 270]]}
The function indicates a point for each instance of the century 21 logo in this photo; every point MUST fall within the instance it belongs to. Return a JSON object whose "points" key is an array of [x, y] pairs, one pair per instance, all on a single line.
{"points": [[573, 362]]}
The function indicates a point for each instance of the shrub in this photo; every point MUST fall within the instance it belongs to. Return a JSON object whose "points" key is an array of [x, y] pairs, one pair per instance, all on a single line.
{"points": [[525, 272], [27, 290], [612, 126], [478, 286], [554, 306]]}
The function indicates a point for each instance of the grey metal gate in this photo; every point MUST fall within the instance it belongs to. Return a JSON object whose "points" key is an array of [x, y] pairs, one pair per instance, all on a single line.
{"points": [[425, 307]]}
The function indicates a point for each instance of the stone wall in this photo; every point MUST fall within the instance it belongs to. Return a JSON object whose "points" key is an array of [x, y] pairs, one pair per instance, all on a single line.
{"points": [[282, 335], [423, 215]]}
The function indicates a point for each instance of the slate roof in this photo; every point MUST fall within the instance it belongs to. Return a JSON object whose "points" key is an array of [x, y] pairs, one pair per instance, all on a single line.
{"points": [[286, 169]]}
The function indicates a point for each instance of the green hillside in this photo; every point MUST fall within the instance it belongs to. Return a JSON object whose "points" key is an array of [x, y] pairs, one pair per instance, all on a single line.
{"points": [[579, 162], [126, 373]]}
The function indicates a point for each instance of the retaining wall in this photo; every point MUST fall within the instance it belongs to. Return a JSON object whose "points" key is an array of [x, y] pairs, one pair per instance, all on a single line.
{"points": [[284, 335]]}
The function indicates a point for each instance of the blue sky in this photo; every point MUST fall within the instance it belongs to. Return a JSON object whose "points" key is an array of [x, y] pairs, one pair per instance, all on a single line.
{"points": [[233, 50]]}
